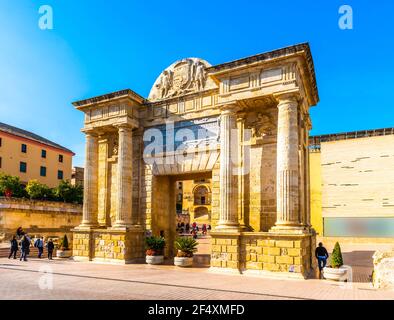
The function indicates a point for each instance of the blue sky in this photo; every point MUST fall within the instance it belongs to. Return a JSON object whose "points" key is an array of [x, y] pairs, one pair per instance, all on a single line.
{"points": [[100, 46]]}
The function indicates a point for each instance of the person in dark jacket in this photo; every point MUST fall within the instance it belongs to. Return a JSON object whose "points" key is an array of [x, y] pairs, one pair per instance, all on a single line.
{"points": [[25, 247], [321, 256], [50, 247], [14, 247], [39, 244]]}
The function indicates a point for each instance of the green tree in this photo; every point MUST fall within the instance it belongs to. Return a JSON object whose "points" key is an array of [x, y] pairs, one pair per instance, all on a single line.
{"points": [[64, 243], [37, 190], [66, 192], [11, 186], [336, 257]]}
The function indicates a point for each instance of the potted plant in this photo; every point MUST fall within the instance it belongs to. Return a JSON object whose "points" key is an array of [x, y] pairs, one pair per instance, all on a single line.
{"points": [[64, 250], [186, 246], [336, 271], [154, 249]]}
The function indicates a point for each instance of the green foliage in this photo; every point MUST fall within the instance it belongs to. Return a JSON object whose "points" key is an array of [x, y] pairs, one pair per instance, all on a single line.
{"points": [[336, 257], [155, 243], [64, 243], [186, 246], [11, 186], [37, 190], [66, 192]]}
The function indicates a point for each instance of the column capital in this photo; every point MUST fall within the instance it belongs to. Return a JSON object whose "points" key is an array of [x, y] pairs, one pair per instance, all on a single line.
{"points": [[124, 127], [287, 98], [90, 132], [230, 108]]}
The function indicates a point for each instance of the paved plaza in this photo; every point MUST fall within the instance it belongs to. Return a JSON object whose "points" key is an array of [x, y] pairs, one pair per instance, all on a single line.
{"points": [[77, 280]]}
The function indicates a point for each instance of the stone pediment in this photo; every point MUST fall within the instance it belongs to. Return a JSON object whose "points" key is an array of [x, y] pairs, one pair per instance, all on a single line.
{"points": [[182, 77]]}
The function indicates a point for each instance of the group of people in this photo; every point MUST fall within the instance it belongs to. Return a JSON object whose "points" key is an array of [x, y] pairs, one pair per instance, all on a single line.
{"points": [[192, 229], [25, 242]]}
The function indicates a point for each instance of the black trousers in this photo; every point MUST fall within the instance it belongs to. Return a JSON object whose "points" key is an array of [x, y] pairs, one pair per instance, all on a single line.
{"points": [[13, 253], [50, 254]]}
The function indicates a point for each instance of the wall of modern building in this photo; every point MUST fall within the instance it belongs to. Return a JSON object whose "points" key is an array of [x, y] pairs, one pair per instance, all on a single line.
{"points": [[356, 194]]}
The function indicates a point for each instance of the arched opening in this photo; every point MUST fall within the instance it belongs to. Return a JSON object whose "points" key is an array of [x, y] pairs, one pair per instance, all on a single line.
{"points": [[201, 196]]}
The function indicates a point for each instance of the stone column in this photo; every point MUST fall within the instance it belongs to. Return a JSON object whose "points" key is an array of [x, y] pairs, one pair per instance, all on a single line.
{"points": [[228, 216], [90, 197], [124, 178], [287, 181]]}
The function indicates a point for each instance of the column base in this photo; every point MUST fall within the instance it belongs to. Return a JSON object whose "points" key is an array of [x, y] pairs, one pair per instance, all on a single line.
{"points": [[86, 227], [109, 245], [127, 227], [290, 229], [228, 228]]}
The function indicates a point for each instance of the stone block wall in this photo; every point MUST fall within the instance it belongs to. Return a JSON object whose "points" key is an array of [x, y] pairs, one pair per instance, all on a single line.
{"points": [[40, 218], [105, 245], [265, 252]]}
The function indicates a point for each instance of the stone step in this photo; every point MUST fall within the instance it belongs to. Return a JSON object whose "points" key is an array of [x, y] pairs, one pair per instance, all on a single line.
{"points": [[4, 252]]}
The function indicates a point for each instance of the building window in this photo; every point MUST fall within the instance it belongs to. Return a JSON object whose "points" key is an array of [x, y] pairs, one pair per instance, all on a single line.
{"points": [[43, 171], [22, 167], [60, 174], [43, 153], [1, 141], [60, 158], [24, 148], [0, 161]]}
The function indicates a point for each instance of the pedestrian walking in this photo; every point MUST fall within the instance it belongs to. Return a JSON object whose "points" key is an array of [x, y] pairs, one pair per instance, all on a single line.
{"points": [[14, 247], [25, 247], [321, 256], [50, 247], [204, 229], [39, 244]]}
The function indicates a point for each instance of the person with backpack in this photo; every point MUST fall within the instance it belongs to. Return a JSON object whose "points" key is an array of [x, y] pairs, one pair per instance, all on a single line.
{"points": [[25, 247], [50, 247], [39, 244], [14, 247]]}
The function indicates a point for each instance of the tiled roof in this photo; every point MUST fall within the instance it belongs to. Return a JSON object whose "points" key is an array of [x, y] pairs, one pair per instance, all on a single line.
{"points": [[31, 136]]}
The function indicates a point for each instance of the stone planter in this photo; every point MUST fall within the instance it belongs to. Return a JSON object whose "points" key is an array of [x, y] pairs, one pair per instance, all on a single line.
{"points": [[183, 261], [154, 259], [337, 274], [63, 253]]}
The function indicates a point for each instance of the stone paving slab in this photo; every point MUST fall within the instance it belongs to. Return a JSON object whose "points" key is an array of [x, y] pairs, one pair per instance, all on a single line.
{"points": [[77, 280]]}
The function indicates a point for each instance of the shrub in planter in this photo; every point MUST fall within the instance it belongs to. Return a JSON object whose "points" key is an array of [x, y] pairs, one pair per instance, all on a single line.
{"points": [[336, 257], [154, 249], [337, 271], [186, 247], [64, 249]]}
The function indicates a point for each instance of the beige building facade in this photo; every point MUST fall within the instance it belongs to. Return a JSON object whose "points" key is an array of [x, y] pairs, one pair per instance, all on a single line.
{"points": [[29, 156], [243, 124], [197, 201]]}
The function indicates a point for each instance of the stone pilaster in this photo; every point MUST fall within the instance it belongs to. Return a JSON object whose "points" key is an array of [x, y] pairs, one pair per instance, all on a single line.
{"points": [[228, 218], [103, 207], [243, 168], [124, 178], [287, 183], [90, 199]]}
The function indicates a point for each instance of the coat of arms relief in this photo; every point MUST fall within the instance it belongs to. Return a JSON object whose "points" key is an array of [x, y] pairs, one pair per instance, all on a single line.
{"points": [[185, 76]]}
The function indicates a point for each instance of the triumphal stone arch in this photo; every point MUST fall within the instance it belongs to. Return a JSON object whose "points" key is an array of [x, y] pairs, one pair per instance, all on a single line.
{"points": [[243, 124]]}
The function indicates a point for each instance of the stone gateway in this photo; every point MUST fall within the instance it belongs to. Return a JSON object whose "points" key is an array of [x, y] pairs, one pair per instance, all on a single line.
{"points": [[243, 124]]}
